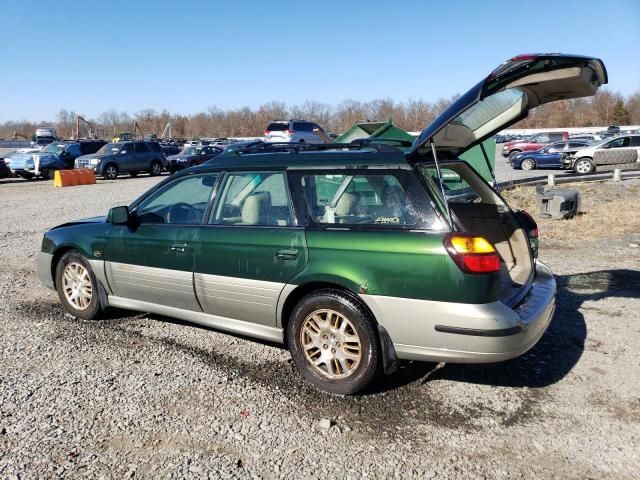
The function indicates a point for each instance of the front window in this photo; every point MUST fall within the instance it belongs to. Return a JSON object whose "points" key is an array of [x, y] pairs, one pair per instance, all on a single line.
{"points": [[254, 198], [189, 151], [54, 148], [377, 199], [110, 149], [181, 202]]}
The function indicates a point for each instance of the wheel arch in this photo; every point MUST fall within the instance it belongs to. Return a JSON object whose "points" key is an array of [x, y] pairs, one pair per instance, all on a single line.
{"points": [[58, 254]]}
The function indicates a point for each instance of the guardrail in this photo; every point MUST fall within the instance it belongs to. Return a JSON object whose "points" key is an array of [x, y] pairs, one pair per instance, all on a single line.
{"points": [[568, 178]]}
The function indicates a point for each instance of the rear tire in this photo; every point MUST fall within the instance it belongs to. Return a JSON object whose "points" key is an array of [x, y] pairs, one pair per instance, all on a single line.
{"points": [[334, 342], [584, 166], [134, 174], [527, 164], [155, 169], [110, 171], [49, 173], [77, 286]]}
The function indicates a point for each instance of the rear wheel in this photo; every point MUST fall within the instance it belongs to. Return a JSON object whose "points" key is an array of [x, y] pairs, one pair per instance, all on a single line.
{"points": [[333, 342], [584, 166], [134, 173], [77, 286], [528, 164], [155, 169], [110, 171]]}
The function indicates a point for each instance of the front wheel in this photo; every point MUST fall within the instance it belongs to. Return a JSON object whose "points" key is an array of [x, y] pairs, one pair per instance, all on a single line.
{"points": [[528, 164], [155, 169], [110, 172], [583, 166], [134, 173], [512, 154], [334, 343], [77, 286]]}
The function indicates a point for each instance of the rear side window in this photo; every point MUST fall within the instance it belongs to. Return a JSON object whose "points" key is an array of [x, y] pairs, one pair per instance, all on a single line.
{"points": [[278, 127], [557, 147], [254, 198], [635, 141], [378, 199], [577, 144]]}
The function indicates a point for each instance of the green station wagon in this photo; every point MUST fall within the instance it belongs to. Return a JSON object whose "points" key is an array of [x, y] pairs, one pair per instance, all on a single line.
{"points": [[352, 256]]}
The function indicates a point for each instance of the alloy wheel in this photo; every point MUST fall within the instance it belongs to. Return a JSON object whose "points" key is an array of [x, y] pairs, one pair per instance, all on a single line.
{"points": [[331, 343], [583, 166], [77, 286], [111, 172]]}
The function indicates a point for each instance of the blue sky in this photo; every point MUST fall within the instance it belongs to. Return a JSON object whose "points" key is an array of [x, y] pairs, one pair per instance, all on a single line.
{"points": [[187, 56]]}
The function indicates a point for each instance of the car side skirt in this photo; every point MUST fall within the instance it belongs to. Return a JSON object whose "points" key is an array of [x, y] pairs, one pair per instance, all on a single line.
{"points": [[255, 330]]}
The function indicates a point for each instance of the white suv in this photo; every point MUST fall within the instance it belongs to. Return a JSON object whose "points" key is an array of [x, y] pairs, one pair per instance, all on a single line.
{"points": [[293, 131], [623, 149]]}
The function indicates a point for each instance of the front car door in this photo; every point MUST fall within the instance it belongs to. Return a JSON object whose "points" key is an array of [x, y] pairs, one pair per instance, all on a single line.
{"points": [[152, 259], [250, 249], [616, 151], [553, 156]]}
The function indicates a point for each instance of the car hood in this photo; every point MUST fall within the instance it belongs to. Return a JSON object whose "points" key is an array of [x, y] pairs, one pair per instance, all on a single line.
{"points": [[101, 219], [505, 96]]}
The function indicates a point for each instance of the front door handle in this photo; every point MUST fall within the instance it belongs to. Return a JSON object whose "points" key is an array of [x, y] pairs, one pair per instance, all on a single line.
{"points": [[287, 254], [178, 247]]}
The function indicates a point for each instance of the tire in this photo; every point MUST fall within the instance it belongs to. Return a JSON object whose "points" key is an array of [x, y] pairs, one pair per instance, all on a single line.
{"points": [[331, 316], [512, 154], [584, 166], [77, 286], [49, 173], [134, 173], [527, 164], [110, 171], [155, 169]]}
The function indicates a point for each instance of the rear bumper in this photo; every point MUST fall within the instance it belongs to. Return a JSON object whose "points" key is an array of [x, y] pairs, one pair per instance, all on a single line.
{"points": [[467, 333]]}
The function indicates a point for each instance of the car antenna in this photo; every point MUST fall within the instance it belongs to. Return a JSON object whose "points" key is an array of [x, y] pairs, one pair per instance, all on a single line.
{"points": [[444, 196]]}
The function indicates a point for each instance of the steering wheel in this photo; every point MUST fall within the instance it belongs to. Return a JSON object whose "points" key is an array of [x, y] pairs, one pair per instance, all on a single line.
{"points": [[179, 212]]}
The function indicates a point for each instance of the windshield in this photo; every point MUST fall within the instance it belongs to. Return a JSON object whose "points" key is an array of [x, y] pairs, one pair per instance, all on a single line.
{"points": [[189, 151], [54, 148], [110, 148]]}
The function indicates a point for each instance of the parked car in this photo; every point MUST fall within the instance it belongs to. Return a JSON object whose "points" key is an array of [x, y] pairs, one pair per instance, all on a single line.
{"points": [[352, 258], [623, 149], [534, 142], [124, 157], [54, 156], [190, 157], [300, 131], [4, 169], [551, 156], [169, 150]]}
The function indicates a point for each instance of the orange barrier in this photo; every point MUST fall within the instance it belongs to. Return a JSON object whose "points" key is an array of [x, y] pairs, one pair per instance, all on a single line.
{"points": [[69, 178]]}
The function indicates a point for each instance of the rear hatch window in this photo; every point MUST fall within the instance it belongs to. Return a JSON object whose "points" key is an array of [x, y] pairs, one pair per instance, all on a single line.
{"points": [[278, 127]]}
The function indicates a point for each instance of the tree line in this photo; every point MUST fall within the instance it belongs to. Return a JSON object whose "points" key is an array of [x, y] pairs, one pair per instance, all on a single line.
{"points": [[605, 108]]}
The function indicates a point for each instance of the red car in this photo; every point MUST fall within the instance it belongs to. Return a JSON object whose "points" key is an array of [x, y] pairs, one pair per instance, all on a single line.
{"points": [[534, 142]]}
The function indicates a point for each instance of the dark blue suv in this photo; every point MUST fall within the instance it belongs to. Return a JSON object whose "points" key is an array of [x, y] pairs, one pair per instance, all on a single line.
{"points": [[124, 157]]}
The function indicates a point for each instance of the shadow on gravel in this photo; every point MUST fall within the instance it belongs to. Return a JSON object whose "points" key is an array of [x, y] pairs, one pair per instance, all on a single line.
{"points": [[560, 349]]}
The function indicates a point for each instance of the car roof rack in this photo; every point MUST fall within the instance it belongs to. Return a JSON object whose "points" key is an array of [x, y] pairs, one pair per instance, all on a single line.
{"points": [[297, 147]]}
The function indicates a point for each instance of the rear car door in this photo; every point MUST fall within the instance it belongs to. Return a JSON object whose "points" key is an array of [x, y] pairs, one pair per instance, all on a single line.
{"points": [[250, 248], [142, 157], [152, 259]]}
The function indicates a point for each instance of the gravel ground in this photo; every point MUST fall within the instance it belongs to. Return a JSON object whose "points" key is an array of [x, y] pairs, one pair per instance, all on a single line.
{"points": [[144, 396]]}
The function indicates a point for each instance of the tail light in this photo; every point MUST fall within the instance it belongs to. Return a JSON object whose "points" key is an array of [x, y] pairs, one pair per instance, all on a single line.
{"points": [[267, 132], [289, 132], [472, 254]]}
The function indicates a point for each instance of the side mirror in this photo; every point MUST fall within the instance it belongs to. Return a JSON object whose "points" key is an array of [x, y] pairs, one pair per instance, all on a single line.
{"points": [[122, 152], [118, 215]]}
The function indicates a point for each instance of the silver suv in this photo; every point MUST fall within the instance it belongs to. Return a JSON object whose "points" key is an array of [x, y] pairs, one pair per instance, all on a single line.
{"points": [[293, 131], [623, 149]]}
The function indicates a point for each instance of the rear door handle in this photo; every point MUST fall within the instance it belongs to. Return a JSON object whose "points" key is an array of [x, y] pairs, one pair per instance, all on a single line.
{"points": [[178, 247], [287, 254]]}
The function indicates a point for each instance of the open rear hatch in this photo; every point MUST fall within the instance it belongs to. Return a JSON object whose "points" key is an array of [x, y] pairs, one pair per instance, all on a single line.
{"points": [[500, 100]]}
